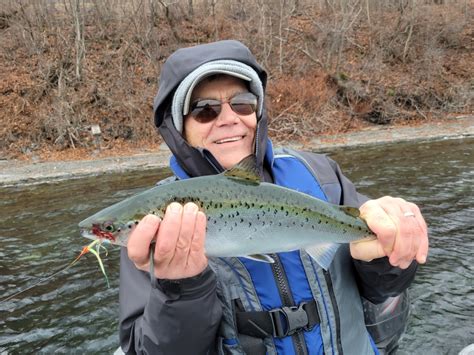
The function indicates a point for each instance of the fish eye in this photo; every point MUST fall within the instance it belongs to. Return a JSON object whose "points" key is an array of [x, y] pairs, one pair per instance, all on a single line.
{"points": [[109, 227]]}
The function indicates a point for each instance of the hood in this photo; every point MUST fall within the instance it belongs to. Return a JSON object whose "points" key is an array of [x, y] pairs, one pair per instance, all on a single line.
{"points": [[198, 161]]}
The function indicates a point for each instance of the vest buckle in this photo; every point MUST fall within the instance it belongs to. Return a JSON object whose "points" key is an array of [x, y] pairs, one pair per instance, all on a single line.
{"points": [[289, 320]]}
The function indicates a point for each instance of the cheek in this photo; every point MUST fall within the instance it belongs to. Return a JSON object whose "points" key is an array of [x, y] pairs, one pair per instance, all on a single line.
{"points": [[195, 133]]}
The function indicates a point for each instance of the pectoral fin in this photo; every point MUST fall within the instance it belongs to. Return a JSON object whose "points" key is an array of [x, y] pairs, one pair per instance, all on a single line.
{"points": [[260, 257], [323, 254]]}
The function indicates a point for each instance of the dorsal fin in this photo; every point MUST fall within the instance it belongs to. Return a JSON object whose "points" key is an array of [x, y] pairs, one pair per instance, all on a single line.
{"points": [[245, 171], [351, 211]]}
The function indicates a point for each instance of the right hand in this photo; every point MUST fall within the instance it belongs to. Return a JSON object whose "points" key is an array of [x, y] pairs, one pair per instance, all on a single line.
{"points": [[179, 251]]}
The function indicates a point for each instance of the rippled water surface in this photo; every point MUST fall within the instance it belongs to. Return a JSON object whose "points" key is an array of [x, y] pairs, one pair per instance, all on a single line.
{"points": [[75, 311]]}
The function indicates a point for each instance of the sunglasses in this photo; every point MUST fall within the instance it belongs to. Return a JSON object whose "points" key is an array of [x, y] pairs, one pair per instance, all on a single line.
{"points": [[206, 110]]}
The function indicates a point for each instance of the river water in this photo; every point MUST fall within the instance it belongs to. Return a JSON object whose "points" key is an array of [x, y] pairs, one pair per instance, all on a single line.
{"points": [[76, 312]]}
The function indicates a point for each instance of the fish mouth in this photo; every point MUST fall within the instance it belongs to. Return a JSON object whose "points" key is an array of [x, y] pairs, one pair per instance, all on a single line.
{"points": [[230, 139], [87, 233]]}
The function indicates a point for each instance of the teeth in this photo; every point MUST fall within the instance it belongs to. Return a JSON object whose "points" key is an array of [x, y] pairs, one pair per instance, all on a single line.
{"points": [[233, 139]]}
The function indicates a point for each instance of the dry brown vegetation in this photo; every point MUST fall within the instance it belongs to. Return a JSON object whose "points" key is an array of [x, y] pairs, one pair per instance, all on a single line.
{"points": [[333, 64]]}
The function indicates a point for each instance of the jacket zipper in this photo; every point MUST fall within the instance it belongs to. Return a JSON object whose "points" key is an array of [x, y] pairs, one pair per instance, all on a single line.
{"points": [[287, 300], [336, 310]]}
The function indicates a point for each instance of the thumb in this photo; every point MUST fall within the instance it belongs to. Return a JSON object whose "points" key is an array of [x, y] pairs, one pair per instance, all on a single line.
{"points": [[367, 250]]}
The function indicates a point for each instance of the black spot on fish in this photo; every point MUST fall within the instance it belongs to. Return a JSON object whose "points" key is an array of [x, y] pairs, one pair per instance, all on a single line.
{"points": [[221, 215], [208, 219], [312, 226], [319, 222], [235, 224], [327, 222], [307, 219], [286, 213], [279, 224], [237, 213], [241, 220], [282, 208], [250, 224]]}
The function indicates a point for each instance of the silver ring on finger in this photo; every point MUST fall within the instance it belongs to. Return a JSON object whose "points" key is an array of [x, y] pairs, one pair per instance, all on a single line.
{"points": [[408, 214]]}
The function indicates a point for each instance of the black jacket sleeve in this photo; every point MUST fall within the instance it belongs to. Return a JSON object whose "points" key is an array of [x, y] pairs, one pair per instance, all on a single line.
{"points": [[176, 317]]}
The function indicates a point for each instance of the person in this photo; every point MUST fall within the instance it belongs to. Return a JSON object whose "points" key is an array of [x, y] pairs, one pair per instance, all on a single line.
{"points": [[210, 111]]}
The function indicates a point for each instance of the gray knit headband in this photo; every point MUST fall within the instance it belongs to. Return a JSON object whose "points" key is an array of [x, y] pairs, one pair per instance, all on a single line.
{"points": [[182, 96]]}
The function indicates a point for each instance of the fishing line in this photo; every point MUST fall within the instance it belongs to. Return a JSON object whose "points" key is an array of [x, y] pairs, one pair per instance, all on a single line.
{"points": [[85, 250]]}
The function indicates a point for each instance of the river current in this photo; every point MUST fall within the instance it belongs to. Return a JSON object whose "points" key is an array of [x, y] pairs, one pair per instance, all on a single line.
{"points": [[76, 312]]}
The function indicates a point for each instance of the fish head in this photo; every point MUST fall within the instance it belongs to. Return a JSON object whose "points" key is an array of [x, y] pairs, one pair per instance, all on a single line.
{"points": [[109, 230]]}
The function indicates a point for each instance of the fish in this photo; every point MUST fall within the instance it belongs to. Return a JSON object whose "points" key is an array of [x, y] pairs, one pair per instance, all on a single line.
{"points": [[245, 216]]}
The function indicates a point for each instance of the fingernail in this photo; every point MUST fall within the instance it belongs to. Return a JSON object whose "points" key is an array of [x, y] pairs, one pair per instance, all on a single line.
{"points": [[150, 219], [422, 259], [175, 207], [190, 207]]}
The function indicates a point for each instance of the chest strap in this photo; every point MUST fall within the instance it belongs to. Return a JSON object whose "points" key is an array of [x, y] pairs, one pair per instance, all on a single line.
{"points": [[278, 322]]}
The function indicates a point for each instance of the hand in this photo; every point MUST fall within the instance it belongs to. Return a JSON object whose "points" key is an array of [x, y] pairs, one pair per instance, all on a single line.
{"points": [[179, 250], [401, 232]]}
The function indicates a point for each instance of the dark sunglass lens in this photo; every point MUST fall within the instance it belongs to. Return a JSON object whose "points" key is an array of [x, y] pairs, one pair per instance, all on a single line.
{"points": [[244, 104], [206, 113], [243, 109]]}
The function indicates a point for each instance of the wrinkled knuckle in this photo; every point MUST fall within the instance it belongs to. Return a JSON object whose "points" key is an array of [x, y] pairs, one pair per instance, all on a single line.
{"points": [[386, 198], [182, 245], [413, 206], [163, 251], [400, 201]]}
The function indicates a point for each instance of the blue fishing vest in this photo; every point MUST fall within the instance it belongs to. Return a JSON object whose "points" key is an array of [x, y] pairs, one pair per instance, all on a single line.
{"points": [[254, 285]]}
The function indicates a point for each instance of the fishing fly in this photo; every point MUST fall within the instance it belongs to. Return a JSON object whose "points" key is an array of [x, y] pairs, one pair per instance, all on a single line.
{"points": [[93, 248]]}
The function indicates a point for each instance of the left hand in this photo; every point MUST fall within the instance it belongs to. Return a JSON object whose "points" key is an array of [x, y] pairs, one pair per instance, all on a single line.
{"points": [[402, 234]]}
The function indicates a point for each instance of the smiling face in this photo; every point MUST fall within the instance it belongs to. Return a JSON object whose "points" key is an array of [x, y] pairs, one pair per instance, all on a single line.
{"points": [[230, 137]]}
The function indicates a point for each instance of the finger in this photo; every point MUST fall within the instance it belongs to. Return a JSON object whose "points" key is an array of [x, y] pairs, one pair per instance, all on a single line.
{"points": [[423, 245], [380, 223], [367, 250], [422, 253], [168, 234], [409, 234], [138, 244], [199, 237], [183, 244], [197, 260]]}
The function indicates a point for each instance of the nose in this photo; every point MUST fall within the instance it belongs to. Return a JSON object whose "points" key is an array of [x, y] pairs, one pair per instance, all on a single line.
{"points": [[226, 116]]}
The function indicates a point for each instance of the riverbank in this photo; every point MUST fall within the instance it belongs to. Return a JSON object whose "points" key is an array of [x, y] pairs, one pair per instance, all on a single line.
{"points": [[15, 172]]}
